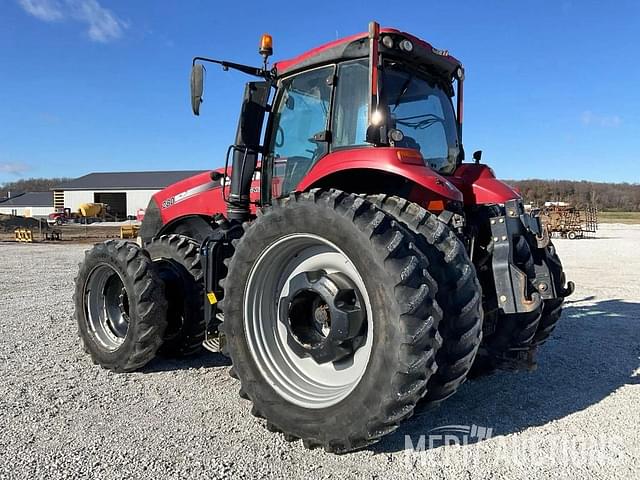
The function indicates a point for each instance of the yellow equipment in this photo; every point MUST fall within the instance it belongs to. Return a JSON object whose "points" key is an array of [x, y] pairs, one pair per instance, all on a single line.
{"points": [[92, 209], [24, 235], [129, 231]]}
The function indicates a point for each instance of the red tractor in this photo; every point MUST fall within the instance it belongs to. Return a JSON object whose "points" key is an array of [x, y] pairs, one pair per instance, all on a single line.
{"points": [[347, 261]]}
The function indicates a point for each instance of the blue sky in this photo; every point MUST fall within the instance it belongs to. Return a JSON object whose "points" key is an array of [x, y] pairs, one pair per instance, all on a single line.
{"points": [[98, 85]]}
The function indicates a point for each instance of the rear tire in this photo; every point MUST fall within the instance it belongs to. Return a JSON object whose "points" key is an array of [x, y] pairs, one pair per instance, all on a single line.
{"points": [[120, 306], [177, 261], [459, 294], [342, 404]]}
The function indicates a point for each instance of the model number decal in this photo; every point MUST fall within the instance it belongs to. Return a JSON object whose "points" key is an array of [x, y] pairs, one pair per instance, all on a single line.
{"points": [[169, 202]]}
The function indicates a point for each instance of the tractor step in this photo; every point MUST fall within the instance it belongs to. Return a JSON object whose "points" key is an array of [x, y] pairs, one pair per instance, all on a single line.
{"points": [[213, 344], [215, 341]]}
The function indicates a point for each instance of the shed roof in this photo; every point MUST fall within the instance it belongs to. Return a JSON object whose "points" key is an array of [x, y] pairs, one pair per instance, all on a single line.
{"points": [[29, 199], [127, 180]]}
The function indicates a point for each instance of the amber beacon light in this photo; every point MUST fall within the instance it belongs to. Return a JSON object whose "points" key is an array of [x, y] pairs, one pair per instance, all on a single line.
{"points": [[266, 45]]}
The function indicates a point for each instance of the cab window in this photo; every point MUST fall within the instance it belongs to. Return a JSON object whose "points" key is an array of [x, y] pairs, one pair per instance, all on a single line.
{"points": [[301, 116]]}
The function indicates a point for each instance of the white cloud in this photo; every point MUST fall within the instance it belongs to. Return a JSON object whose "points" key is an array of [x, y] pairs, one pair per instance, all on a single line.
{"points": [[14, 168], [590, 118], [102, 24], [47, 10]]}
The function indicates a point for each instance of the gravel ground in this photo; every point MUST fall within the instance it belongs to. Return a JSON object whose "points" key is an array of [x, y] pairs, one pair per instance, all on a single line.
{"points": [[61, 416]]}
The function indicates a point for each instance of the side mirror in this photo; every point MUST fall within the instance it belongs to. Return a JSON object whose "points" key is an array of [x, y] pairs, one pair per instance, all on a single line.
{"points": [[197, 86], [477, 156]]}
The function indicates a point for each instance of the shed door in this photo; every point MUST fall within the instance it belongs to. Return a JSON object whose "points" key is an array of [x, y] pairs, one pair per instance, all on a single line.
{"points": [[117, 203]]}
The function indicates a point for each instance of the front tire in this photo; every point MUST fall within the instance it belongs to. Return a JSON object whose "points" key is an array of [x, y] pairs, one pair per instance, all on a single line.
{"points": [[337, 388], [508, 345], [552, 308]]}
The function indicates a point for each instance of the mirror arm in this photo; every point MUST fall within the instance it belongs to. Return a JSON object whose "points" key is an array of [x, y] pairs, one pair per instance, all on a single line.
{"points": [[256, 72]]}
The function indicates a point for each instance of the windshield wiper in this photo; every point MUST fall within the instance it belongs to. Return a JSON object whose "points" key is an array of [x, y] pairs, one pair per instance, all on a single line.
{"points": [[403, 90], [429, 119]]}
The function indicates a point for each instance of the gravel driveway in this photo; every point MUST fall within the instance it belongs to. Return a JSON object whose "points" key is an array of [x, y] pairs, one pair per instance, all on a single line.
{"points": [[61, 416]]}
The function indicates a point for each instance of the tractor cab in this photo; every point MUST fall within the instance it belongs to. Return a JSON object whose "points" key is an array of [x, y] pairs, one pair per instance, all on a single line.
{"points": [[326, 109], [384, 88]]}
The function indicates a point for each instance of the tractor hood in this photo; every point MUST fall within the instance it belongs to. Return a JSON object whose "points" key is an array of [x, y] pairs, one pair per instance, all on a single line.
{"points": [[479, 185]]}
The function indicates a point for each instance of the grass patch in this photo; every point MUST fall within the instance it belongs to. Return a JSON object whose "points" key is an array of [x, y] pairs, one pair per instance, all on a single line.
{"points": [[619, 217]]}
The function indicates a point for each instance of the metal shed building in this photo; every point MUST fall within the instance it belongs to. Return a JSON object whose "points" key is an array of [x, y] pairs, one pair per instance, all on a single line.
{"points": [[124, 192], [30, 204]]}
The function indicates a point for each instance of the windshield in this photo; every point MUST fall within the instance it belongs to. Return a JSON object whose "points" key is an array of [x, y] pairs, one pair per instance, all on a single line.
{"points": [[423, 112]]}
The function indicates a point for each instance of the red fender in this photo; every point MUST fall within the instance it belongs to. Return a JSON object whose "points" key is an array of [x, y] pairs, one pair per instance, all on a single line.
{"points": [[479, 185], [403, 162], [471, 183]]}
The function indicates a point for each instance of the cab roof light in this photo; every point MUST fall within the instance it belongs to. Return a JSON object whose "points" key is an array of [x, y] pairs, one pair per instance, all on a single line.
{"points": [[266, 45], [406, 46]]}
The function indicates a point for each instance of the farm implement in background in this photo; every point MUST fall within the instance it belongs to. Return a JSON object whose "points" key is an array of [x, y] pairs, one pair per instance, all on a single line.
{"points": [[566, 221]]}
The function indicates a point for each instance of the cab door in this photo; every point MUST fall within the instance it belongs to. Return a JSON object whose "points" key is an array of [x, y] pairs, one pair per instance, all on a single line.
{"points": [[300, 127]]}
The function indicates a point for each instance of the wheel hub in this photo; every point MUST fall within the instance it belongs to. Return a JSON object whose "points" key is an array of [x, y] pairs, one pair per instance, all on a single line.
{"points": [[120, 324], [107, 306], [276, 339], [322, 319], [323, 315]]}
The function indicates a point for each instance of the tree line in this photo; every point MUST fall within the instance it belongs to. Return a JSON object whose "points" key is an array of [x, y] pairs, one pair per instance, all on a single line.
{"points": [[622, 197], [30, 185]]}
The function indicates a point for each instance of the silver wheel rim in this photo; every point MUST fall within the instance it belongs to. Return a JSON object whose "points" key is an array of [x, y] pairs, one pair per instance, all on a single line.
{"points": [[106, 307], [300, 380]]}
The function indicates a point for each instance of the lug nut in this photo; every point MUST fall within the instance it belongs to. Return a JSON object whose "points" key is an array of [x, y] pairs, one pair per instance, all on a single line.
{"points": [[503, 298], [543, 287]]}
